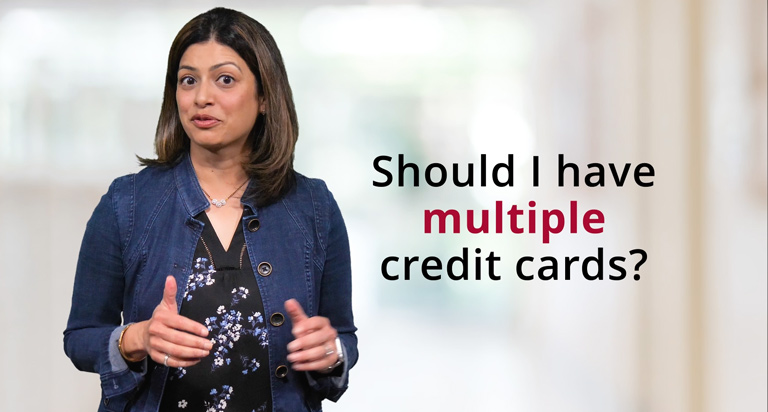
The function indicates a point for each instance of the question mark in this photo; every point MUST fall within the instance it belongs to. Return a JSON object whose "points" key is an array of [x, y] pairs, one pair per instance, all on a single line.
{"points": [[643, 257]]}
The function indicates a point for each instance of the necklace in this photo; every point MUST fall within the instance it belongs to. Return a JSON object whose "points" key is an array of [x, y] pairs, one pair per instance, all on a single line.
{"points": [[222, 202]]}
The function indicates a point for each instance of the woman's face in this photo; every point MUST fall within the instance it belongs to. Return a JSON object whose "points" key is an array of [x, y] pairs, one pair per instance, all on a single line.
{"points": [[217, 96]]}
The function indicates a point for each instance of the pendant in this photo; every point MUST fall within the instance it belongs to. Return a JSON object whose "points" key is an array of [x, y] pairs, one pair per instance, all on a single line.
{"points": [[218, 203]]}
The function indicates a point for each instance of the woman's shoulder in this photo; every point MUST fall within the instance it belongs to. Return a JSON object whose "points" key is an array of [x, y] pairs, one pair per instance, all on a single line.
{"points": [[310, 190], [312, 200], [153, 175], [309, 184], [311, 195], [148, 181]]}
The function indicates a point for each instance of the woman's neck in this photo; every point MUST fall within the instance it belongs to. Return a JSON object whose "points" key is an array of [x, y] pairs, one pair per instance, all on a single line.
{"points": [[218, 175]]}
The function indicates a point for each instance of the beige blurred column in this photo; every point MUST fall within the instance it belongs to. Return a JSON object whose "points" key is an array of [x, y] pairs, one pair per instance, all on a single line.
{"points": [[671, 300], [735, 244], [703, 312]]}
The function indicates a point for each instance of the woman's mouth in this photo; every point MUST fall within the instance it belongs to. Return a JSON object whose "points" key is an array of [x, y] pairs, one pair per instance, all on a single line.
{"points": [[205, 121]]}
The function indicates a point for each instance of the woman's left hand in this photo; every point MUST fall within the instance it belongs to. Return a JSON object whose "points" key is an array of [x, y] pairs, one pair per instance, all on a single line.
{"points": [[314, 346]]}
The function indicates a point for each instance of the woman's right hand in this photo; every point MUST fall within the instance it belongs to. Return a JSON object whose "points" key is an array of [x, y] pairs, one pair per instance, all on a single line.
{"points": [[168, 333]]}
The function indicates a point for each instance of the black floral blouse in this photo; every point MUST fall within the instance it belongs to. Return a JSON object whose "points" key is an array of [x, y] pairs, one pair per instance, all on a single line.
{"points": [[222, 294]]}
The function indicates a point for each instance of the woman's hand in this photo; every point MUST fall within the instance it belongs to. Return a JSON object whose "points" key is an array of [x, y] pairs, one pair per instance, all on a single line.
{"points": [[314, 348], [168, 333]]}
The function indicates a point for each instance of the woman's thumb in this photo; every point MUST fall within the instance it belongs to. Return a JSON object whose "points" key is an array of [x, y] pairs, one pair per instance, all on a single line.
{"points": [[295, 311], [169, 293]]}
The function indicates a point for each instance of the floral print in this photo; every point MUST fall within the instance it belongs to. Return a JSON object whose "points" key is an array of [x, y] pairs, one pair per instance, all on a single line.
{"points": [[226, 300], [178, 373], [200, 277], [262, 408], [229, 326], [219, 402], [226, 328], [251, 365], [237, 294]]}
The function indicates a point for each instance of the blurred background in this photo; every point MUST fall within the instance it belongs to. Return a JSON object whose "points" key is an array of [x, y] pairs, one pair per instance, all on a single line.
{"points": [[678, 84]]}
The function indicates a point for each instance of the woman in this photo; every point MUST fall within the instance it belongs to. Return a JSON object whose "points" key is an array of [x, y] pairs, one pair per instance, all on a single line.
{"points": [[217, 278]]}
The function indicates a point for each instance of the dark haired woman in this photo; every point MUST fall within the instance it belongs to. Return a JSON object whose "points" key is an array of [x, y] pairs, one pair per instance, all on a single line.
{"points": [[217, 278]]}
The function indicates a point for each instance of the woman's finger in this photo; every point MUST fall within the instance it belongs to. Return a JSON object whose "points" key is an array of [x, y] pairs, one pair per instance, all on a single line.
{"points": [[320, 365], [160, 329], [315, 338], [167, 332], [183, 324], [310, 325], [172, 362], [177, 351], [175, 321], [184, 339], [314, 354]]}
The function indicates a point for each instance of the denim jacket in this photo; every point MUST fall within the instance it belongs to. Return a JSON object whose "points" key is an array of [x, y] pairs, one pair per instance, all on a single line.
{"points": [[144, 229]]}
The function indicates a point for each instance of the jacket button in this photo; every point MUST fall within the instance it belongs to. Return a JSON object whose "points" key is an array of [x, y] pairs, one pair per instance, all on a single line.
{"points": [[106, 401], [264, 269], [281, 371], [254, 225], [277, 319]]}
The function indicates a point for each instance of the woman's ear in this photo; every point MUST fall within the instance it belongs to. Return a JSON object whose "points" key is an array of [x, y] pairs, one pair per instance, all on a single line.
{"points": [[262, 105]]}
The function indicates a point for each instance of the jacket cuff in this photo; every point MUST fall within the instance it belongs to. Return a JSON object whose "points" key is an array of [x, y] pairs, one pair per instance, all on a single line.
{"points": [[120, 377], [331, 384]]}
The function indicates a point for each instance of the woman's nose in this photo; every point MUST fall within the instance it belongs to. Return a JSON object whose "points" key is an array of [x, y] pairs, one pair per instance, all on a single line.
{"points": [[203, 94]]}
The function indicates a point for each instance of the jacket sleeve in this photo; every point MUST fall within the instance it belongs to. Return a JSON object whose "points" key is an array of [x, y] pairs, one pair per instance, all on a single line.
{"points": [[95, 319], [336, 303]]}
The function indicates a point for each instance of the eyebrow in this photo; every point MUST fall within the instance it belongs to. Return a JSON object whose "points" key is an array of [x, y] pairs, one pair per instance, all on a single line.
{"points": [[214, 67]]}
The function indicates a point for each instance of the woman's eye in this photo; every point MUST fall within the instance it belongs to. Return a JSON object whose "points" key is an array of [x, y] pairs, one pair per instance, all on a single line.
{"points": [[187, 81], [227, 79]]}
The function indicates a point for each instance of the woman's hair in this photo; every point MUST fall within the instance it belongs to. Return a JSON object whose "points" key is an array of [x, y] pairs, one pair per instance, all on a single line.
{"points": [[273, 137]]}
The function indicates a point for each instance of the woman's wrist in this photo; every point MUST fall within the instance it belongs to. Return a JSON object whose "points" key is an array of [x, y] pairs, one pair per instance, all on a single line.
{"points": [[131, 344], [339, 357]]}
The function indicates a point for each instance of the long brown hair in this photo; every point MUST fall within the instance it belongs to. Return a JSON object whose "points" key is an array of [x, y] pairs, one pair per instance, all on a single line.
{"points": [[273, 137]]}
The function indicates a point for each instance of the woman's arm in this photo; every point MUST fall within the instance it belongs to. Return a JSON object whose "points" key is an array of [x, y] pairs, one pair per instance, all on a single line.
{"points": [[95, 320], [336, 303], [94, 326]]}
